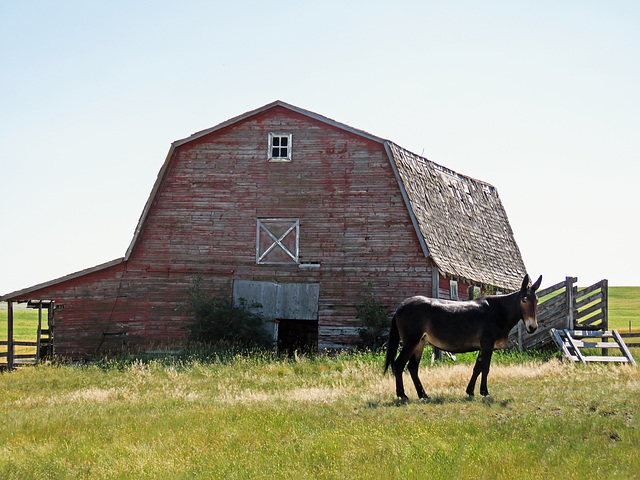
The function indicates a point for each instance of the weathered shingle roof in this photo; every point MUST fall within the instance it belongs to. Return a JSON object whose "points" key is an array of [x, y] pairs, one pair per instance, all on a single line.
{"points": [[462, 221]]}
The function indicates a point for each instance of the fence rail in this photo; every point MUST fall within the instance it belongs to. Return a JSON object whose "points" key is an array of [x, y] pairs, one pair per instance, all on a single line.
{"points": [[565, 306]]}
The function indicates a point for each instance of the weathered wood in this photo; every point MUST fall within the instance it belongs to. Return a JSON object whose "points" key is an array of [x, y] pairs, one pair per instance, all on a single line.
{"points": [[570, 344], [584, 301], [569, 296], [588, 311], [559, 340], [10, 352], [589, 322], [553, 288], [588, 290], [623, 347]]}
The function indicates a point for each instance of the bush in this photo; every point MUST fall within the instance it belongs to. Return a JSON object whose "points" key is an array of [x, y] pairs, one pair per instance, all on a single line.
{"points": [[376, 323], [219, 322]]}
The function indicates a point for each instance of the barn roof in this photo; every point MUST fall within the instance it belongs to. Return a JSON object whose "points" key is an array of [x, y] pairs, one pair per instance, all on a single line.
{"points": [[460, 222]]}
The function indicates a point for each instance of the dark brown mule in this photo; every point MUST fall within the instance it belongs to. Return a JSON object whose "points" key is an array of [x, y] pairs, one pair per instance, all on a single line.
{"points": [[482, 324]]}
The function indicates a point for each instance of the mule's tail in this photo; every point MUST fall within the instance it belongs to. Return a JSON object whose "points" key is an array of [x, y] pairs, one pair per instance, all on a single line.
{"points": [[392, 345]]}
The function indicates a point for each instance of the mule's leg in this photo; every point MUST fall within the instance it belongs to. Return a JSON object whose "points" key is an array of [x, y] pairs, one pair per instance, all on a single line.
{"points": [[477, 368], [486, 363], [398, 368], [481, 366], [414, 364]]}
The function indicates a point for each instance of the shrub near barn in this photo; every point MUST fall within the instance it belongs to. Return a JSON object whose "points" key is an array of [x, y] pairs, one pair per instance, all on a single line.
{"points": [[219, 322]]}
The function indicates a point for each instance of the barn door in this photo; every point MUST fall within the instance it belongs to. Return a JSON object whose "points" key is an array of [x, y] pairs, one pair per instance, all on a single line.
{"points": [[293, 308], [297, 335]]}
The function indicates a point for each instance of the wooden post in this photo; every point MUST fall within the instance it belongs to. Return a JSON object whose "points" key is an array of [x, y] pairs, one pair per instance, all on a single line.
{"points": [[39, 332], [568, 285], [520, 347], [50, 328], [9, 335], [435, 293], [605, 311]]}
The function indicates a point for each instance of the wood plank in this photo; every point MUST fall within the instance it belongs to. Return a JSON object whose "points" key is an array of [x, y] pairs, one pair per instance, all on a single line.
{"points": [[587, 290], [583, 344], [591, 320], [623, 347], [594, 358], [10, 335], [583, 302], [551, 303], [591, 333], [551, 289], [589, 311], [559, 340], [575, 347]]}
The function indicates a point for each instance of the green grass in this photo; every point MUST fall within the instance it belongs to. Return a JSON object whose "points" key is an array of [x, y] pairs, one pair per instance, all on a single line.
{"points": [[624, 307], [210, 415], [323, 417]]}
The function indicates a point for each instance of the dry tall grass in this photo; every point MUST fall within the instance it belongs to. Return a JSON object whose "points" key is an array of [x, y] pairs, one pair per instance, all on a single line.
{"points": [[326, 417]]}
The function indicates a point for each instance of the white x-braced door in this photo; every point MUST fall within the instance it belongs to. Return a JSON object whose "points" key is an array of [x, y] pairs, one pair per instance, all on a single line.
{"points": [[277, 240]]}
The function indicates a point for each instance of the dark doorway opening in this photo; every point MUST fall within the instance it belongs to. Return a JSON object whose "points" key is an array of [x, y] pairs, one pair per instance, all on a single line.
{"points": [[300, 335]]}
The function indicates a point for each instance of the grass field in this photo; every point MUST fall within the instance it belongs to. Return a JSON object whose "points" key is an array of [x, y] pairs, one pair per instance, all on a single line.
{"points": [[329, 417], [321, 418], [624, 308]]}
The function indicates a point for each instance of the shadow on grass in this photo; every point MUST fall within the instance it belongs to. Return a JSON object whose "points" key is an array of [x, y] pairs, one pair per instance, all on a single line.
{"points": [[437, 400]]}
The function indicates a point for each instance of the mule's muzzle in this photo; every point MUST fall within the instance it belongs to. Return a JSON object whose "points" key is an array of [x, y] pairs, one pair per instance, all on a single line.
{"points": [[531, 328]]}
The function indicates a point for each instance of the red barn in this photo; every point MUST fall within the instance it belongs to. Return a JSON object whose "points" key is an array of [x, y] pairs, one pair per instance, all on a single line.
{"points": [[299, 212]]}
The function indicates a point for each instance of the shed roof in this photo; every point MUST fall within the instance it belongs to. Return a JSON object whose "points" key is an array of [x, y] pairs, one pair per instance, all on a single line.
{"points": [[461, 220]]}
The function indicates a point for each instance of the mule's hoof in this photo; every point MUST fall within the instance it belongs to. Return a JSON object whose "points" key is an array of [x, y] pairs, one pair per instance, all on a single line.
{"points": [[424, 396]]}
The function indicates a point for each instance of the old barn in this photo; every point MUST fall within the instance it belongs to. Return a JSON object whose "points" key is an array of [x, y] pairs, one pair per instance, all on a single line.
{"points": [[296, 211]]}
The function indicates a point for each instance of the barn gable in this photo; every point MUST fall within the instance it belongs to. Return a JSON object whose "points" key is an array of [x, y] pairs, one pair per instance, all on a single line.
{"points": [[458, 220]]}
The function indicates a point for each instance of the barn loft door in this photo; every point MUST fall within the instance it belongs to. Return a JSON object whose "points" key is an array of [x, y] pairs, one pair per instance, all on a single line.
{"points": [[292, 306], [277, 240]]}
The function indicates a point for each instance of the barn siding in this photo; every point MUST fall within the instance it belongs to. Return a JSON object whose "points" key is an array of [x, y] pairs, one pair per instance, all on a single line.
{"points": [[202, 222]]}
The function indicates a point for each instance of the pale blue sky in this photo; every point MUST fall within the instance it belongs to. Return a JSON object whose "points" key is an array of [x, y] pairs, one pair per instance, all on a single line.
{"points": [[540, 99]]}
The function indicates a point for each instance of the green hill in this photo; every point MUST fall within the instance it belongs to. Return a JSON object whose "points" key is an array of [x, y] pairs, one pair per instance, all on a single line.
{"points": [[624, 307]]}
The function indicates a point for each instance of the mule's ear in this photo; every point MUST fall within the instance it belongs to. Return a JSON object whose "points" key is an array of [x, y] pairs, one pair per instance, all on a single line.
{"points": [[525, 283], [537, 284]]}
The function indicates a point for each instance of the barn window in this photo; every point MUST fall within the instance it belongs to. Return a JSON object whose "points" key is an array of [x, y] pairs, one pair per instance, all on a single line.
{"points": [[474, 292], [279, 147], [277, 240], [453, 289]]}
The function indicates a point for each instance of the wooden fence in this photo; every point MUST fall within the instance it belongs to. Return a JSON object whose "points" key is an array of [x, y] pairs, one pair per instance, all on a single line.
{"points": [[9, 357], [565, 306]]}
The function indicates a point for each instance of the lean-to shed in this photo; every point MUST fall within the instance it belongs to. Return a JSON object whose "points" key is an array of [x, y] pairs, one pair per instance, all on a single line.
{"points": [[296, 211]]}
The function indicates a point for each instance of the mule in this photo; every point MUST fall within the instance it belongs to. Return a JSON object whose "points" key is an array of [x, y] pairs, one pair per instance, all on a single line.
{"points": [[482, 324]]}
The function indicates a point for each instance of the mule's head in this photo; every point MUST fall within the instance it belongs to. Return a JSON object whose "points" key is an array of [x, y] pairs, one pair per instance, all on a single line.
{"points": [[529, 303]]}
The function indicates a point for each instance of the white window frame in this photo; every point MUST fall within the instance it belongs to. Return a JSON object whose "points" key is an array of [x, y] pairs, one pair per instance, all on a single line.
{"points": [[289, 146], [453, 290], [262, 228]]}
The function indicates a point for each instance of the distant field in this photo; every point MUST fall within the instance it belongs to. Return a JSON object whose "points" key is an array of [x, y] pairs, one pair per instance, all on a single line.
{"points": [[624, 308]]}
